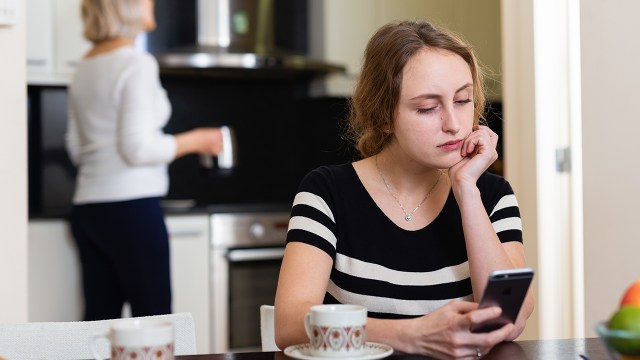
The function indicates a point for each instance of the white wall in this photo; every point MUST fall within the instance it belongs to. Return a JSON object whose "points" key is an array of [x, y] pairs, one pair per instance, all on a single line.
{"points": [[605, 257], [340, 30], [13, 176], [611, 124], [519, 129]]}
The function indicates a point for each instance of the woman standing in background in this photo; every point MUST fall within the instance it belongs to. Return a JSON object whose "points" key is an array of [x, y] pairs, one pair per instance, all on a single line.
{"points": [[117, 109]]}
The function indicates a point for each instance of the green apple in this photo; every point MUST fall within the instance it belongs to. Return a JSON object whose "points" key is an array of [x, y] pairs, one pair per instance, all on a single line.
{"points": [[626, 318]]}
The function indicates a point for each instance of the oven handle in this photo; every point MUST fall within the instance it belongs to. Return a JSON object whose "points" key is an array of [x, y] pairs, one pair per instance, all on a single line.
{"points": [[240, 255]]}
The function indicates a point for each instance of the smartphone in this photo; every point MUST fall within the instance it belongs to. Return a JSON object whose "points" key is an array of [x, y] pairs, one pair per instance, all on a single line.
{"points": [[507, 289]]}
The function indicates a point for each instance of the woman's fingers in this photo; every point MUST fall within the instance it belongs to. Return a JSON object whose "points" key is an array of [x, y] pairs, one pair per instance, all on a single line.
{"points": [[481, 136], [454, 340]]}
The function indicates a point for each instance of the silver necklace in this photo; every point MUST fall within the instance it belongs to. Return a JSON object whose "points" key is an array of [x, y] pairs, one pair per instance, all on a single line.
{"points": [[408, 216]]}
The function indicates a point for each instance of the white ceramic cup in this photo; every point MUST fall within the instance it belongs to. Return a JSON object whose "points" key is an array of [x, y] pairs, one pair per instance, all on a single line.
{"points": [[336, 330], [138, 339]]}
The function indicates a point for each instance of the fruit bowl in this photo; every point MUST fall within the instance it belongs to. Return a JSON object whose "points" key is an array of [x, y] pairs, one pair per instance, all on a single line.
{"points": [[621, 344]]}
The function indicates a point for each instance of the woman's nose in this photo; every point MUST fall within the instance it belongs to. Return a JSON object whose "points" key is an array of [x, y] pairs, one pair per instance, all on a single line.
{"points": [[449, 120]]}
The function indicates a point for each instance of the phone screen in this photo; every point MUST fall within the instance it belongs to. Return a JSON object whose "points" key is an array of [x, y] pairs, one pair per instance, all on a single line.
{"points": [[507, 289]]}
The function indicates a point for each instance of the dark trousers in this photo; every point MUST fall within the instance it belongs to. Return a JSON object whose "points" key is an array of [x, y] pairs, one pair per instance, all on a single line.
{"points": [[124, 253]]}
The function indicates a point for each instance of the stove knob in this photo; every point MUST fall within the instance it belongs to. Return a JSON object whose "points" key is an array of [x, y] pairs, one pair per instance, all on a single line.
{"points": [[257, 230]]}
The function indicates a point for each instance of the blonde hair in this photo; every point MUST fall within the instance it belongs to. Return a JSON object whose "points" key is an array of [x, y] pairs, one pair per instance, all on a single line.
{"points": [[109, 19], [377, 92]]}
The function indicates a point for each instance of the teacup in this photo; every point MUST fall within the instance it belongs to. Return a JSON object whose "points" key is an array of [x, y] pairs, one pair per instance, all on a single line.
{"points": [[138, 339], [336, 330]]}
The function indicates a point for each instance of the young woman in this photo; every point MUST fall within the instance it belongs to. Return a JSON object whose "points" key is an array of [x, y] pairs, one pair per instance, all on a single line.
{"points": [[412, 230], [117, 109]]}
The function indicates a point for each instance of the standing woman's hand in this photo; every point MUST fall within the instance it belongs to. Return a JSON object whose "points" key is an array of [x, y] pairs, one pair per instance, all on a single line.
{"points": [[199, 141], [478, 153]]}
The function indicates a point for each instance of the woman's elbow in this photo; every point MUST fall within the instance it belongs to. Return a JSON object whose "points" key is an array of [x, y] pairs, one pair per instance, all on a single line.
{"points": [[134, 157], [282, 339], [521, 322], [280, 342], [287, 333]]}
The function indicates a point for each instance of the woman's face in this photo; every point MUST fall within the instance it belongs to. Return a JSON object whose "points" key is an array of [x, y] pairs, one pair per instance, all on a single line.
{"points": [[435, 109], [148, 16]]}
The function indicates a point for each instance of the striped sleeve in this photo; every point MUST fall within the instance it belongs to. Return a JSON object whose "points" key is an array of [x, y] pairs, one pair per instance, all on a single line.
{"points": [[505, 215], [312, 221]]}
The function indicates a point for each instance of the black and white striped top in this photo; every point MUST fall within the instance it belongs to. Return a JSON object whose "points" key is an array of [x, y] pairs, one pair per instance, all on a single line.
{"points": [[395, 273]]}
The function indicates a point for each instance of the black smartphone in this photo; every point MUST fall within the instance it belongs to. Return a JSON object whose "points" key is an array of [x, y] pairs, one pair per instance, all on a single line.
{"points": [[507, 289]]}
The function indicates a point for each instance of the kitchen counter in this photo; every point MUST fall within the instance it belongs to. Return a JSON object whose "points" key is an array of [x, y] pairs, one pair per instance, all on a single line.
{"points": [[182, 207]]}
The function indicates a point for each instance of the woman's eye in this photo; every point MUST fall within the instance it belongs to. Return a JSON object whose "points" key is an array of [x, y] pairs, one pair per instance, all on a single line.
{"points": [[465, 101], [426, 110]]}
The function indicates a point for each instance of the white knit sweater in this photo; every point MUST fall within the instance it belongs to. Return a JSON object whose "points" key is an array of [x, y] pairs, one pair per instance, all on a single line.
{"points": [[117, 109]]}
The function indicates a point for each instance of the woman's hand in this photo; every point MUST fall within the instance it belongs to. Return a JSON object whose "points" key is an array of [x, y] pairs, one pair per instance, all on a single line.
{"points": [[478, 153], [199, 141], [445, 334], [210, 141]]}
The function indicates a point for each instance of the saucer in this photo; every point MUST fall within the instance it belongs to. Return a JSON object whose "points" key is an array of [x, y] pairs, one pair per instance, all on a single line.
{"points": [[373, 351]]}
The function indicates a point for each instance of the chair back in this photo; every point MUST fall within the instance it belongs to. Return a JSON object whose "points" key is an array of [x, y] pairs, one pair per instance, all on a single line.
{"points": [[70, 340], [267, 328]]}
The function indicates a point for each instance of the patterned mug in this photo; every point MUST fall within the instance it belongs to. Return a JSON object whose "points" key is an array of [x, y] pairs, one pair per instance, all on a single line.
{"points": [[336, 330], [138, 339]]}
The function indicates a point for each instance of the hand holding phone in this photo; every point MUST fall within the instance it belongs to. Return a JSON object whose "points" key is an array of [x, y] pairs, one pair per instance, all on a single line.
{"points": [[506, 289]]}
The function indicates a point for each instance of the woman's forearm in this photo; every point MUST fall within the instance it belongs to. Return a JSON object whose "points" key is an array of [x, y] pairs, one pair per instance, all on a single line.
{"points": [[396, 333], [199, 141], [484, 250]]}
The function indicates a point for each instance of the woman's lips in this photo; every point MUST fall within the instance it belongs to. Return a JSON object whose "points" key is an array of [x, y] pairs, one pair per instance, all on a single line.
{"points": [[451, 145]]}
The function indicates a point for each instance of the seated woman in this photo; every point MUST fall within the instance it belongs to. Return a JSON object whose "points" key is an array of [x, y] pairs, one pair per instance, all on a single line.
{"points": [[414, 228]]}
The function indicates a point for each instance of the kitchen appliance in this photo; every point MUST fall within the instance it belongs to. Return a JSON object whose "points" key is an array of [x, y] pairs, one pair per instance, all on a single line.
{"points": [[51, 173], [228, 157], [247, 37], [246, 251]]}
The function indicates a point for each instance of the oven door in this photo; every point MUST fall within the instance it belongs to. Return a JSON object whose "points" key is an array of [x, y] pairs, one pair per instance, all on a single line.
{"points": [[253, 278], [247, 278]]}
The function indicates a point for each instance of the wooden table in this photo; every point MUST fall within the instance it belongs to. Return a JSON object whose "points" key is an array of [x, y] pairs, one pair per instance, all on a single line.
{"points": [[568, 349]]}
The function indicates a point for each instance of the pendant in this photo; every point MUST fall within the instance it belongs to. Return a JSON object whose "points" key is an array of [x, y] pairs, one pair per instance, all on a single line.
{"points": [[408, 217]]}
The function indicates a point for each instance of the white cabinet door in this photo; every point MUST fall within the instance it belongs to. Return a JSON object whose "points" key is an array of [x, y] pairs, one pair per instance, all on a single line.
{"points": [[55, 288], [70, 45], [55, 42], [189, 240], [39, 37]]}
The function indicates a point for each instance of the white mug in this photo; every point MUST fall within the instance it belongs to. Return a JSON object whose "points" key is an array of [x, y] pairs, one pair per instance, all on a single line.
{"points": [[336, 330], [138, 339]]}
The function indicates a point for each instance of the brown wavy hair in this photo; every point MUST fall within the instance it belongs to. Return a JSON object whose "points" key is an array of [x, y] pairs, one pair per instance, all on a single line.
{"points": [[375, 98]]}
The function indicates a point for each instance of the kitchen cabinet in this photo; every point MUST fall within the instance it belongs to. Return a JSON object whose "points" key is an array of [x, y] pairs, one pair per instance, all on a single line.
{"points": [[39, 38], [189, 240], [55, 288], [54, 277], [54, 40], [70, 44]]}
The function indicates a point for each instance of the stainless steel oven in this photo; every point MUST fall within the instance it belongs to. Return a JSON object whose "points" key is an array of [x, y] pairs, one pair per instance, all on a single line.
{"points": [[246, 253]]}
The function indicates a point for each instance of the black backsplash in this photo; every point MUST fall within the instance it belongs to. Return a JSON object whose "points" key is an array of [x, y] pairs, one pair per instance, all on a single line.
{"points": [[281, 135]]}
